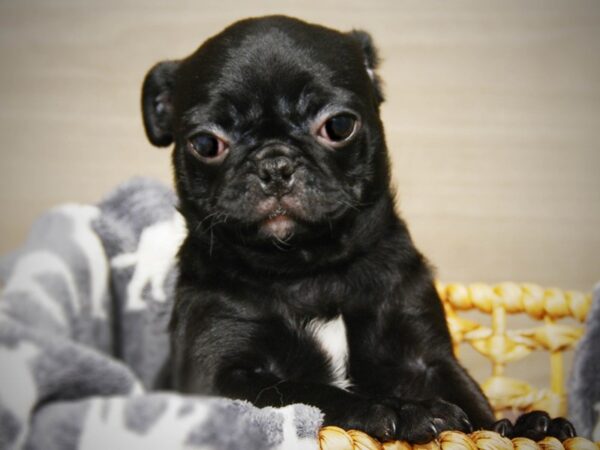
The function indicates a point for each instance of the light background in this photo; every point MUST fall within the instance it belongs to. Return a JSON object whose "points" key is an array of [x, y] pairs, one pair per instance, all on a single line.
{"points": [[492, 117]]}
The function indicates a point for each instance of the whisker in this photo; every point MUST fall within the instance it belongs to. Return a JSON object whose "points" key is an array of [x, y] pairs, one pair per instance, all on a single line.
{"points": [[207, 217]]}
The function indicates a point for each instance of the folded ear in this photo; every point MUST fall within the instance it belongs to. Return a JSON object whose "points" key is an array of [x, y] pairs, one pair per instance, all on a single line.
{"points": [[157, 102], [371, 59]]}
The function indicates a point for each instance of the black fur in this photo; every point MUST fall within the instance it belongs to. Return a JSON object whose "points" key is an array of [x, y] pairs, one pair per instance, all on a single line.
{"points": [[287, 228]]}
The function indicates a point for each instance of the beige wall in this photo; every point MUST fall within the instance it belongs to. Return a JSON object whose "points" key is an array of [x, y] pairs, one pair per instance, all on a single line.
{"points": [[492, 115]]}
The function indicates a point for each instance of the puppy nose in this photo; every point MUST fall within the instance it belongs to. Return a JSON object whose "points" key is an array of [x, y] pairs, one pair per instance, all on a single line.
{"points": [[276, 175]]}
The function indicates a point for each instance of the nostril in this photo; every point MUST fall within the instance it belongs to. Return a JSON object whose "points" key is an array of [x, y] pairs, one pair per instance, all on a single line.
{"points": [[285, 169], [263, 173], [286, 175]]}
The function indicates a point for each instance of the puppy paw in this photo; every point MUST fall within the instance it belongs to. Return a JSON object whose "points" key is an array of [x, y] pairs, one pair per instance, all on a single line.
{"points": [[418, 422], [536, 425], [421, 422]]}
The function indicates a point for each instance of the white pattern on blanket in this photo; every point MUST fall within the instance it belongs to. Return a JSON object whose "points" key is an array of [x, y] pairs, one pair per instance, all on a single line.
{"points": [[81, 339]]}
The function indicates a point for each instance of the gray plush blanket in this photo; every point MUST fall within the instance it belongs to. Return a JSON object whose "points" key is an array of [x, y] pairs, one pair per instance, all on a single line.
{"points": [[83, 316], [584, 382]]}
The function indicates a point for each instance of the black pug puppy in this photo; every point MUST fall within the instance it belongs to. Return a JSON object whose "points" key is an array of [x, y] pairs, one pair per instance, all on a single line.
{"points": [[298, 281]]}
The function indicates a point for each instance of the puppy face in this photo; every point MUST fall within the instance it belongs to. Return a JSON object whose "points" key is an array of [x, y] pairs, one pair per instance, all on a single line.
{"points": [[276, 130]]}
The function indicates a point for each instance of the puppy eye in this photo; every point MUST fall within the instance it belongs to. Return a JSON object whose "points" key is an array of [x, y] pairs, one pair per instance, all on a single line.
{"points": [[338, 128], [207, 146]]}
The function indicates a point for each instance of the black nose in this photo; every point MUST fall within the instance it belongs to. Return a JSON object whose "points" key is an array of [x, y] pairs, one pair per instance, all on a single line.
{"points": [[276, 174]]}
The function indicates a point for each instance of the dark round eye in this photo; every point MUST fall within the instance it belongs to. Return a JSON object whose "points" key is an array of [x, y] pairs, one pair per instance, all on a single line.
{"points": [[207, 146], [338, 128]]}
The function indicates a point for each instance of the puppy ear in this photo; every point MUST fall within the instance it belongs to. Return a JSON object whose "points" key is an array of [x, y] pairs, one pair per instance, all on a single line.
{"points": [[157, 102], [371, 59]]}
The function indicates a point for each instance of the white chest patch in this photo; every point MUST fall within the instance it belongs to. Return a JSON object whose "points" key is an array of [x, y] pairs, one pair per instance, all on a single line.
{"points": [[331, 336]]}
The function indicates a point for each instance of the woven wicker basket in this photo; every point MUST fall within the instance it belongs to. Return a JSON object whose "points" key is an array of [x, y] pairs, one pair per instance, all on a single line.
{"points": [[501, 346]]}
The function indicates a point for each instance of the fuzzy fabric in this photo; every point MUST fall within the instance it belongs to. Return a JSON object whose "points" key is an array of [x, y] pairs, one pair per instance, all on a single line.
{"points": [[83, 317], [584, 383]]}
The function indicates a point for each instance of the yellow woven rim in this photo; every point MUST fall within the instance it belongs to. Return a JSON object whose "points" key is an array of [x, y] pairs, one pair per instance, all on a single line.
{"points": [[536, 301], [334, 438]]}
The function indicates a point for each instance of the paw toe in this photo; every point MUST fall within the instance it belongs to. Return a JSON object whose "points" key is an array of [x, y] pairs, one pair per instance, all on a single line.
{"points": [[561, 429], [504, 427], [451, 416], [533, 425], [381, 423]]}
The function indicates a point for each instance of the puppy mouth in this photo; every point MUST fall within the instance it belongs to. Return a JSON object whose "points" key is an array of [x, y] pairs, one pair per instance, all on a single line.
{"points": [[278, 224], [279, 212]]}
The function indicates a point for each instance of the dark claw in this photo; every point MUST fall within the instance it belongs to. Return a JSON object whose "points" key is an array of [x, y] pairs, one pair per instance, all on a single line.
{"points": [[389, 430], [438, 425], [381, 423], [504, 427], [434, 430], [467, 427]]}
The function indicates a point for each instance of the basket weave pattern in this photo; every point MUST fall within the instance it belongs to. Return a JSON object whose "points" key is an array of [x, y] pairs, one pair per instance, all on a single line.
{"points": [[334, 438], [501, 346]]}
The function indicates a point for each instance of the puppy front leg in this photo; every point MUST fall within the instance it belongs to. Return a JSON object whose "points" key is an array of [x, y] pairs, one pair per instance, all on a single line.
{"points": [[383, 418], [217, 353], [341, 408], [458, 387]]}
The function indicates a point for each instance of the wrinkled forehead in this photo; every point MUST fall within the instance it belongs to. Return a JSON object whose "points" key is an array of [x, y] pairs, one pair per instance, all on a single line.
{"points": [[271, 69]]}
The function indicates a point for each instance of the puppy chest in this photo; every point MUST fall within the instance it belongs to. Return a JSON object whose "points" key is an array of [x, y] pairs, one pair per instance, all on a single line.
{"points": [[330, 338]]}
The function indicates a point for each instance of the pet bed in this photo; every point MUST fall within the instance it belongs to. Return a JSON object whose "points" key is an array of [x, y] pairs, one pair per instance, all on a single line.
{"points": [[83, 315]]}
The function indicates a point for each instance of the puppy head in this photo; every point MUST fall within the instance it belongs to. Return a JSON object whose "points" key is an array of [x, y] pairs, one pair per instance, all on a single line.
{"points": [[276, 130]]}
